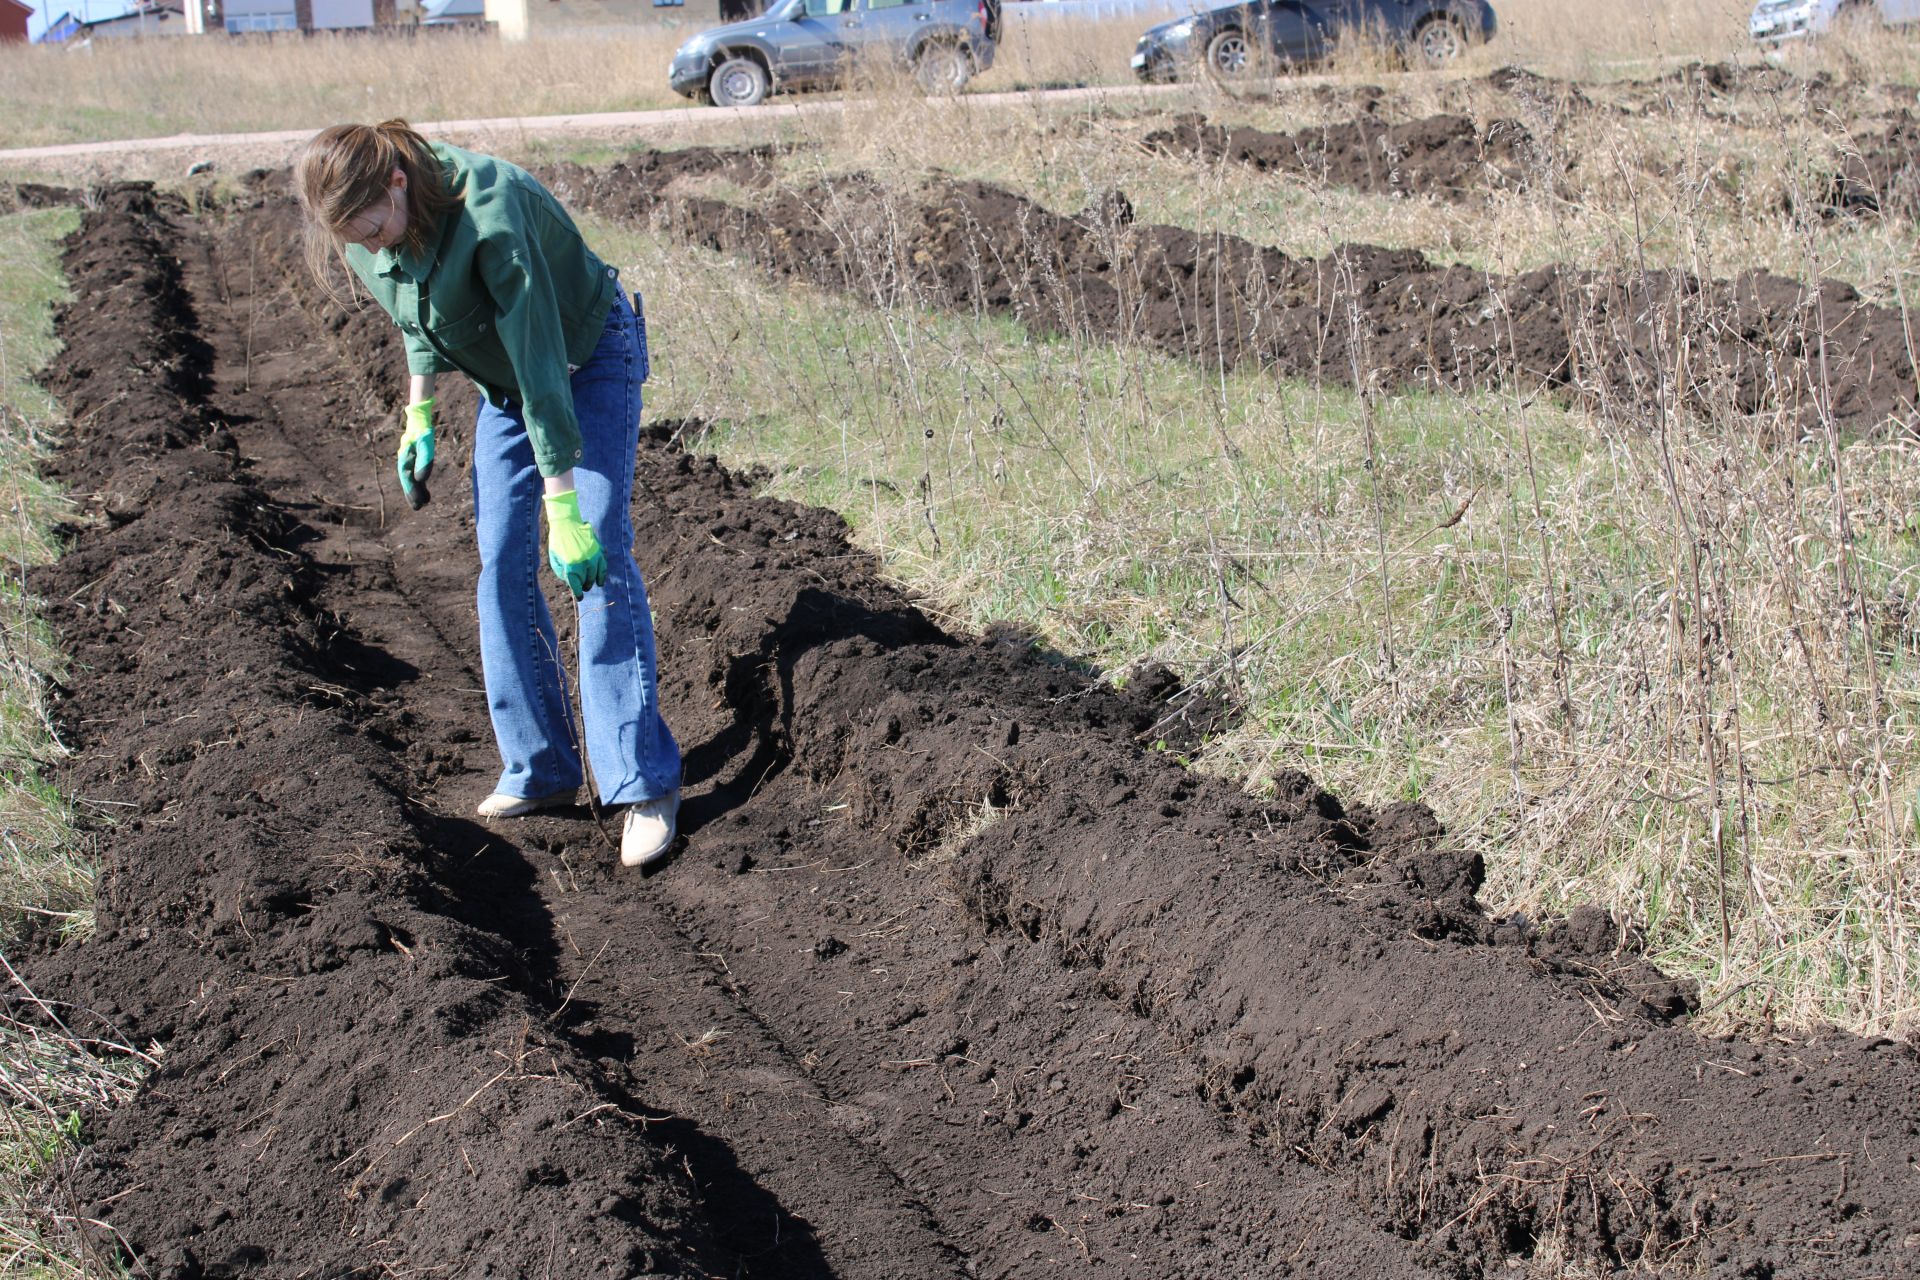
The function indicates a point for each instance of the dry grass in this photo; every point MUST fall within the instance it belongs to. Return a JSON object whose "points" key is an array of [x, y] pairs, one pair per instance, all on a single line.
{"points": [[147, 88], [1550, 36], [1039, 53]]}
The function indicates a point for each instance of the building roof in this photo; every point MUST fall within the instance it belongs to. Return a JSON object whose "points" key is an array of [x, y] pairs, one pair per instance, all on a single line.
{"points": [[161, 9], [16, 4]]}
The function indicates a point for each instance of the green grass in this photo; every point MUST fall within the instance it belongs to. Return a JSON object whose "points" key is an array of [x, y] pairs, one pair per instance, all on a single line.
{"points": [[47, 1079], [1531, 669], [40, 874]]}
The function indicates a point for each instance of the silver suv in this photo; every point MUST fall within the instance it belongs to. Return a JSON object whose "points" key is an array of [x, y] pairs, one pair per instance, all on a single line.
{"points": [[802, 44], [1777, 21]]}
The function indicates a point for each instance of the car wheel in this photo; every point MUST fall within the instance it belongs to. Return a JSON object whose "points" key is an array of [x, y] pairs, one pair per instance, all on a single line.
{"points": [[1440, 41], [738, 82], [942, 68], [1231, 55]]}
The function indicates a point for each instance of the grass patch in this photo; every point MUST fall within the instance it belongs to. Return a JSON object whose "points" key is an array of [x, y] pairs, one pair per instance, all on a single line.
{"points": [[49, 1079], [41, 874], [1484, 604]]}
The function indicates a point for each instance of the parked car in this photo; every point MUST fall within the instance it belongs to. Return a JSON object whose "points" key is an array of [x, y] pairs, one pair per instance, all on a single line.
{"points": [[1254, 36], [1777, 21], [799, 44]]}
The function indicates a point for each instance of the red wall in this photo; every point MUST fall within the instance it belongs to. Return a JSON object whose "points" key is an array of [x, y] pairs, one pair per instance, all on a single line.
{"points": [[13, 21]]}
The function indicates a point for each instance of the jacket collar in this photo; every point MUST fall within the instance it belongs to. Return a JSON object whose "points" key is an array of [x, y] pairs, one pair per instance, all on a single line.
{"points": [[417, 266], [413, 265]]}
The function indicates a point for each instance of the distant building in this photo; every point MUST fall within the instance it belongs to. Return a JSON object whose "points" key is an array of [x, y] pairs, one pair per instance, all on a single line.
{"points": [[249, 17], [690, 15], [244, 17], [510, 18], [13, 20], [464, 13], [63, 28], [157, 18]]}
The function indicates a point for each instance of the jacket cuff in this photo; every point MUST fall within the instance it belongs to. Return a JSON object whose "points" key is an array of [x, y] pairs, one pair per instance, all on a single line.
{"points": [[556, 464]]}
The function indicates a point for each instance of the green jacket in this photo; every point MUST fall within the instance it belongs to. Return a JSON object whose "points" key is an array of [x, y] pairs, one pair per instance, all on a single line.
{"points": [[507, 293]]}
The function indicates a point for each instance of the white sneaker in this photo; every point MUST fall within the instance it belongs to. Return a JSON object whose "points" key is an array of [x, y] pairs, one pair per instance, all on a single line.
{"points": [[501, 805], [648, 831]]}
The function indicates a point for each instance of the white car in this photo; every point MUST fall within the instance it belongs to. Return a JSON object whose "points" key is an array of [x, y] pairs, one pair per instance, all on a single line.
{"points": [[1776, 20]]}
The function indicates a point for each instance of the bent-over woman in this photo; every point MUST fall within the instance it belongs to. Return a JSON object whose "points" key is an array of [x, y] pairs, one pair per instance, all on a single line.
{"points": [[486, 274]]}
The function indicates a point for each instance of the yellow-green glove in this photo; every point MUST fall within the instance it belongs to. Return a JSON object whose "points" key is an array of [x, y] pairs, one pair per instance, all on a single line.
{"points": [[416, 452], [572, 551]]}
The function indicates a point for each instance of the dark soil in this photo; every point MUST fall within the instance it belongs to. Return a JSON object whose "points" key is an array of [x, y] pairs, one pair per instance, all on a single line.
{"points": [[1759, 345], [1449, 157], [1725, 90], [1881, 177], [951, 977]]}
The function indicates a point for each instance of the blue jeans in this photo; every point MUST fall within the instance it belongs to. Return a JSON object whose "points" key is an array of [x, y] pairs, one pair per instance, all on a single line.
{"points": [[633, 753]]}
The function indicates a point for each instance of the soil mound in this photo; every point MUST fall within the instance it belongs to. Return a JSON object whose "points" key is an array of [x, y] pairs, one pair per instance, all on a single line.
{"points": [[1881, 178], [633, 186], [39, 195], [951, 977], [1446, 156], [1760, 345], [1723, 90]]}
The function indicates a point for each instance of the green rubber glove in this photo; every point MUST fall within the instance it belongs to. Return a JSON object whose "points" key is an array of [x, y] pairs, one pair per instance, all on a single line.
{"points": [[572, 550], [415, 459]]}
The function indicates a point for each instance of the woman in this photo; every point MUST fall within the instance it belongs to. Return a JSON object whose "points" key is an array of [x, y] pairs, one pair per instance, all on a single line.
{"points": [[485, 274]]}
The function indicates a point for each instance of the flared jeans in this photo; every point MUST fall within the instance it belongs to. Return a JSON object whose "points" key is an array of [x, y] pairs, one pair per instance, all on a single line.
{"points": [[633, 753]]}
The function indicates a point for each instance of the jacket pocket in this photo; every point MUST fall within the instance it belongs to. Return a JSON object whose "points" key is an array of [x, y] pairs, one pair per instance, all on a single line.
{"points": [[464, 331]]}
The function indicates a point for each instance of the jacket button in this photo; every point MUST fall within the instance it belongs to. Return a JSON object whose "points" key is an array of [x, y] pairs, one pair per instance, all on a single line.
{"points": [[483, 326]]}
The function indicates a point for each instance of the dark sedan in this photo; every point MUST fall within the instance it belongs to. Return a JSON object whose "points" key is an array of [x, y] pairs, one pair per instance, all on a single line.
{"points": [[801, 44], [1260, 36]]}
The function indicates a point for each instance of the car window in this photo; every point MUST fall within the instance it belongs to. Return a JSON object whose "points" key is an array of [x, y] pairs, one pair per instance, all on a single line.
{"points": [[890, 4], [827, 8]]}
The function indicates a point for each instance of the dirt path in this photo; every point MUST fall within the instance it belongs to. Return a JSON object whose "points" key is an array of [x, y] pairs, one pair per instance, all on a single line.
{"points": [[276, 146], [950, 977]]}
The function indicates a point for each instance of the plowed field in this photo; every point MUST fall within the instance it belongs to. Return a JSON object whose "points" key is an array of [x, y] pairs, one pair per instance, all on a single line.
{"points": [[1757, 344], [950, 976]]}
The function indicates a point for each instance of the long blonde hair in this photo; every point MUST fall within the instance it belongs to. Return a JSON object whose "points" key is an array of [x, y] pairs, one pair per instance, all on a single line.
{"points": [[346, 170]]}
